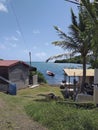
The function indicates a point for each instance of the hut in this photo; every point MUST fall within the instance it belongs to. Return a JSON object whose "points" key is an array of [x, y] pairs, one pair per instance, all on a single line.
{"points": [[14, 71], [79, 73]]}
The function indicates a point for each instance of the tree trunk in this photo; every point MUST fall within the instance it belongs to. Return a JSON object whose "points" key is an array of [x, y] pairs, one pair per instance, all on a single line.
{"points": [[84, 74]]}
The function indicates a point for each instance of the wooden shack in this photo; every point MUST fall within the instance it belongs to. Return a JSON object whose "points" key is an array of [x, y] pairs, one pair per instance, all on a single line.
{"points": [[14, 71], [79, 73]]}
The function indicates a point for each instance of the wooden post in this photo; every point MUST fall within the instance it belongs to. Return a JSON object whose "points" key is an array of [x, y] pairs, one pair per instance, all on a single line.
{"points": [[74, 87], [30, 57]]}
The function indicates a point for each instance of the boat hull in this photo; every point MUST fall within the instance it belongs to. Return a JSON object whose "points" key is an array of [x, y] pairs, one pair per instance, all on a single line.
{"points": [[50, 73]]}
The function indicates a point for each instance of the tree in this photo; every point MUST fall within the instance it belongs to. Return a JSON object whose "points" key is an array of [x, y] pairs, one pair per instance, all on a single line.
{"points": [[78, 40], [92, 9]]}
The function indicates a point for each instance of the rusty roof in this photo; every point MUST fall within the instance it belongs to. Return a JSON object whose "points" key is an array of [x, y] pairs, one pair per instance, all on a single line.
{"points": [[8, 63], [78, 72]]}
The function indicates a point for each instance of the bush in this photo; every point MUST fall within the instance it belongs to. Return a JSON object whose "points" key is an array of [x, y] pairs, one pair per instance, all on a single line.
{"points": [[85, 105], [41, 78]]}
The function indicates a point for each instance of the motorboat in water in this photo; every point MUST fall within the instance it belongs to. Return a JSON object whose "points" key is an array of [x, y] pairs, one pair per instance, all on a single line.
{"points": [[50, 73]]}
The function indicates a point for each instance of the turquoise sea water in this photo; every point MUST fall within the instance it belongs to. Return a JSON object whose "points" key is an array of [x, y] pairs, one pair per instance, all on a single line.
{"points": [[56, 68]]}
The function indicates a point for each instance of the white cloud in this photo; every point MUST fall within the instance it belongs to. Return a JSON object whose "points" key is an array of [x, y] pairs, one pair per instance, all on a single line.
{"points": [[36, 32], [10, 42], [47, 44], [26, 51], [41, 55], [2, 46], [3, 0], [7, 46], [3, 8], [35, 47], [12, 38], [13, 45], [18, 32]]}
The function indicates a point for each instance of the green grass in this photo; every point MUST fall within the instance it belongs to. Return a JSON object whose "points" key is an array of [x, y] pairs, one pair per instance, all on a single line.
{"points": [[54, 114], [42, 89], [60, 116], [57, 116]]}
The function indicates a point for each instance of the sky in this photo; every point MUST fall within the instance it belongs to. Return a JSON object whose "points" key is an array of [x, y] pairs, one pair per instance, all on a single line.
{"points": [[28, 26]]}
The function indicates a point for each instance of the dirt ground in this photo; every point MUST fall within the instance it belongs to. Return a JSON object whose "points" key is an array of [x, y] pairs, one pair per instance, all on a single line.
{"points": [[13, 117]]}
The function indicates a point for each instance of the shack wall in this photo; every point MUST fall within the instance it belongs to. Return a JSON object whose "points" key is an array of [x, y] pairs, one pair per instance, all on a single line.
{"points": [[4, 72], [19, 74], [3, 87], [3, 84]]}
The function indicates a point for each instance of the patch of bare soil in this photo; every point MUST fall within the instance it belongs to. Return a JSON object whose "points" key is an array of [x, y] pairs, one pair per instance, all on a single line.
{"points": [[15, 118]]}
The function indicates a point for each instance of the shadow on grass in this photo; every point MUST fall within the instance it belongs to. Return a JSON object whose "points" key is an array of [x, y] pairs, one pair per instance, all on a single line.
{"points": [[28, 96], [78, 105], [43, 95], [42, 100], [48, 97]]}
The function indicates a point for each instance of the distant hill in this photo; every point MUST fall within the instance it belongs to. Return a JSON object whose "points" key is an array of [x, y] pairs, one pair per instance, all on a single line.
{"points": [[76, 59]]}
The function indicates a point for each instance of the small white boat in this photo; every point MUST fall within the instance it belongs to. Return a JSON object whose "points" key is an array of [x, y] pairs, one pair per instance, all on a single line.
{"points": [[50, 73]]}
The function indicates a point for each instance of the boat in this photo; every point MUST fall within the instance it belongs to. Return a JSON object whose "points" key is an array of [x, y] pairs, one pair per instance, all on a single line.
{"points": [[50, 73]]}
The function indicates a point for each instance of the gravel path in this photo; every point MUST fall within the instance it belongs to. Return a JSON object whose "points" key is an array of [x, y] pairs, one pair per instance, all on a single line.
{"points": [[13, 117]]}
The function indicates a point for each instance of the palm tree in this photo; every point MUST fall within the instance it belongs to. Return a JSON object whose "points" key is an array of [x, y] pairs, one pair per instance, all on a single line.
{"points": [[77, 41], [92, 11]]}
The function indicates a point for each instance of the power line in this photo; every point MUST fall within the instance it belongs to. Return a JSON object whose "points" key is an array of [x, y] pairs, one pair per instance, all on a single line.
{"points": [[74, 2], [17, 21]]}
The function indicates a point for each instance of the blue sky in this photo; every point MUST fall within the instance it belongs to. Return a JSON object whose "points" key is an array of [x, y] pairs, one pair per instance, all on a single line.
{"points": [[27, 26]]}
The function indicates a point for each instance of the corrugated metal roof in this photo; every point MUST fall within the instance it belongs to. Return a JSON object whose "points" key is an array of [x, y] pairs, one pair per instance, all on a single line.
{"points": [[78, 72], [8, 63]]}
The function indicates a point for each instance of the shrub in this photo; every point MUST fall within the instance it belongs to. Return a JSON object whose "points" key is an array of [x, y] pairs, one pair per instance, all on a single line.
{"points": [[41, 78]]}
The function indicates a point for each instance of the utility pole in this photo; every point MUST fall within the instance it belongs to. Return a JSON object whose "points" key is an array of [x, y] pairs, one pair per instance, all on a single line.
{"points": [[30, 57], [30, 73]]}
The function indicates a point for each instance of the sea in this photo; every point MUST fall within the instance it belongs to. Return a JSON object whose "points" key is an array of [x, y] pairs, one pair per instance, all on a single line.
{"points": [[56, 68]]}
